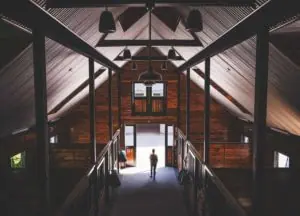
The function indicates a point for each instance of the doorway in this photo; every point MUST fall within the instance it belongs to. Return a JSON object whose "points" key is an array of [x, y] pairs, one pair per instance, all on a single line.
{"points": [[148, 137], [140, 139]]}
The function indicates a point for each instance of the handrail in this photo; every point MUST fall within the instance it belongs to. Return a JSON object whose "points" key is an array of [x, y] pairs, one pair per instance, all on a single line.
{"points": [[83, 183], [221, 187], [224, 191]]}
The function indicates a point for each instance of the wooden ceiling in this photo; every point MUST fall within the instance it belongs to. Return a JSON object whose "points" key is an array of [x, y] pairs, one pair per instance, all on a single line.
{"points": [[232, 71]]}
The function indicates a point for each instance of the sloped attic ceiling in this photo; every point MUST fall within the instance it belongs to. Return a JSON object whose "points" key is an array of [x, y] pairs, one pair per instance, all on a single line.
{"points": [[233, 70]]}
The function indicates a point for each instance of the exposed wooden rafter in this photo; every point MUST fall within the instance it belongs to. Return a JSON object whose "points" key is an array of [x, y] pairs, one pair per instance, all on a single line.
{"points": [[138, 3], [75, 92], [223, 92], [146, 58], [112, 43]]}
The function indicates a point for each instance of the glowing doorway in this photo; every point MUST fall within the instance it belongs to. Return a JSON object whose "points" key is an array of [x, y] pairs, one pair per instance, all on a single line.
{"points": [[148, 137]]}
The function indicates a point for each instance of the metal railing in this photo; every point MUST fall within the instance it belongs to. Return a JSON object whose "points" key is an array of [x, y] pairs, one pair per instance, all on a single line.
{"points": [[93, 191], [207, 195]]}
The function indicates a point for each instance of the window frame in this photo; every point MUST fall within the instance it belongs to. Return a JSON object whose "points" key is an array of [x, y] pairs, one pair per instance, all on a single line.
{"points": [[149, 100]]}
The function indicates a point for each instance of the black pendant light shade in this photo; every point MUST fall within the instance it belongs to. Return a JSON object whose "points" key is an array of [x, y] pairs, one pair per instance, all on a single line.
{"points": [[171, 54], [133, 66], [107, 22], [163, 66], [194, 21], [150, 77], [126, 54]]}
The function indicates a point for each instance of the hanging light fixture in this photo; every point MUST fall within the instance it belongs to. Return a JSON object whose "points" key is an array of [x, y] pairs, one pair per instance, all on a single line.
{"points": [[163, 66], [194, 21], [133, 66], [150, 77], [107, 22], [126, 54], [172, 54]]}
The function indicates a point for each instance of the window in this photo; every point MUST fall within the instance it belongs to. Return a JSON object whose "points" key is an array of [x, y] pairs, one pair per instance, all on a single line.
{"points": [[149, 100], [245, 139], [170, 135], [18, 161], [281, 160], [158, 90], [54, 139], [140, 90]]}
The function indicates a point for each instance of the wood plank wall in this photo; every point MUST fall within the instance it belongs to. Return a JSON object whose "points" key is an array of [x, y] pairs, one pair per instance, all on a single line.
{"points": [[74, 126], [224, 127]]}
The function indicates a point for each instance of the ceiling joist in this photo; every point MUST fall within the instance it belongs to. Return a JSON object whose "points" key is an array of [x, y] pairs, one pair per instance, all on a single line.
{"points": [[139, 3], [117, 43], [146, 58]]}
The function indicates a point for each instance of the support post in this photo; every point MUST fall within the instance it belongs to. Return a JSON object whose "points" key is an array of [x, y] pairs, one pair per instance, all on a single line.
{"points": [[260, 114], [166, 145], [40, 91], [178, 99], [92, 112], [188, 95], [106, 185], [206, 111], [195, 189], [110, 126], [119, 99], [206, 128], [119, 118], [93, 177]]}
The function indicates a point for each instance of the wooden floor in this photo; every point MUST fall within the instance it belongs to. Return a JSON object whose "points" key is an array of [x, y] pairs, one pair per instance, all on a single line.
{"points": [[141, 195], [281, 189]]}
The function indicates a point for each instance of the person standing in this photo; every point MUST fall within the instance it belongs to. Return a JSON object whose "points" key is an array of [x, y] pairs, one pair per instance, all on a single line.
{"points": [[153, 163]]}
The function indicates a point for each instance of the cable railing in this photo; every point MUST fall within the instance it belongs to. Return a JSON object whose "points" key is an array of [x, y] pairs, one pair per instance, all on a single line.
{"points": [[93, 191], [205, 193]]}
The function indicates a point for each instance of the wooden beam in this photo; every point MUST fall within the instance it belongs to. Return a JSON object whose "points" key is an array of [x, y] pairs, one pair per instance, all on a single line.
{"points": [[206, 111], [110, 119], [119, 99], [246, 28], [260, 118], [188, 102], [75, 92], [40, 91], [183, 43], [178, 100], [223, 92], [146, 58], [31, 14], [139, 3], [92, 112]]}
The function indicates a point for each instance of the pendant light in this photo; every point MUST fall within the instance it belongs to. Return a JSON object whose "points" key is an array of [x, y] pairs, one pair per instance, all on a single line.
{"points": [[126, 54], [163, 66], [133, 66], [172, 54], [194, 21], [150, 77], [107, 23]]}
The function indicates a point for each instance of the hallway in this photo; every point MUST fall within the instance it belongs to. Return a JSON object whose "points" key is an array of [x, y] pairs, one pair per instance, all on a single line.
{"points": [[140, 195]]}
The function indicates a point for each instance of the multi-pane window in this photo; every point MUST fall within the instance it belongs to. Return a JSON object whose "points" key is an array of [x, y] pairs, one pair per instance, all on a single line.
{"points": [[149, 100], [18, 161], [54, 139], [281, 160]]}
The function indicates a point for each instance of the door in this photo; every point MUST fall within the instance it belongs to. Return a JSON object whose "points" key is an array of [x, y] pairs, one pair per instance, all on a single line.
{"points": [[169, 145], [130, 144]]}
